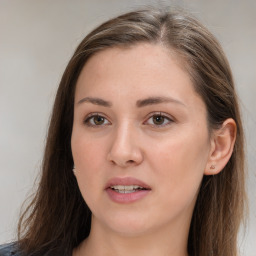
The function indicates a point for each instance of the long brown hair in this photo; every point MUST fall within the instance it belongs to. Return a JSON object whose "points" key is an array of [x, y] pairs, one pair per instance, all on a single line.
{"points": [[58, 219]]}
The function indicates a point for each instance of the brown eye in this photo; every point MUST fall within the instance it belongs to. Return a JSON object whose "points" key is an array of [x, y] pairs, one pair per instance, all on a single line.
{"points": [[158, 119], [98, 120]]}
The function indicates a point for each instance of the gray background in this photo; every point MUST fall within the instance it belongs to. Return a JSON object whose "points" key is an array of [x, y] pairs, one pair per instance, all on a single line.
{"points": [[37, 38]]}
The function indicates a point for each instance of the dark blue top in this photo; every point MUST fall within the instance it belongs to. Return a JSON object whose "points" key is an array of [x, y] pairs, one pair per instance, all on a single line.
{"points": [[9, 250], [12, 249]]}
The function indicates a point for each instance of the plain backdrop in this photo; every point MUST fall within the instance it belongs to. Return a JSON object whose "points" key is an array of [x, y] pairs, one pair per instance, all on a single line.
{"points": [[37, 38]]}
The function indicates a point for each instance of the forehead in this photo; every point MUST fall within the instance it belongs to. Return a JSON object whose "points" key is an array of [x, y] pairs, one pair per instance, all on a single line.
{"points": [[142, 70], [143, 54]]}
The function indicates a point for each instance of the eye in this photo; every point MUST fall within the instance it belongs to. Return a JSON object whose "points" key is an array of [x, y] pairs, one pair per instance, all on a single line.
{"points": [[159, 119], [96, 120]]}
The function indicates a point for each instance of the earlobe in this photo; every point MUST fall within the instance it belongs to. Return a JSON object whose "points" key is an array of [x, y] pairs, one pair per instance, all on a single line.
{"points": [[222, 145], [74, 170]]}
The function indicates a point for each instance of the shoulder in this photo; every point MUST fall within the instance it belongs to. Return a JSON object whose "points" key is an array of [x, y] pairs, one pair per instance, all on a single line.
{"points": [[10, 249]]}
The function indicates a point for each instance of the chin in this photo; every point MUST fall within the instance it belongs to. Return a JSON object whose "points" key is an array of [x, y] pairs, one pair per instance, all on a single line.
{"points": [[127, 225], [130, 231]]}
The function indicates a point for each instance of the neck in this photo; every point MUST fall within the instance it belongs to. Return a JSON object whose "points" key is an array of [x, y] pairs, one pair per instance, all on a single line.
{"points": [[162, 242]]}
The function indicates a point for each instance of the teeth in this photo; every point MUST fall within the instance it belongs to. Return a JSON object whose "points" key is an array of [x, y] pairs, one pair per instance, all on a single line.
{"points": [[122, 187], [126, 189]]}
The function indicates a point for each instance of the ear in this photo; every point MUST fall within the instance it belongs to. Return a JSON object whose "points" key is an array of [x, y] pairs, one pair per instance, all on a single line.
{"points": [[222, 144]]}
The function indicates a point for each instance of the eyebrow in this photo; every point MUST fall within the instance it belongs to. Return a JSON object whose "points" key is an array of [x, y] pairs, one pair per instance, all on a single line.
{"points": [[157, 100], [139, 103], [95, 101]]}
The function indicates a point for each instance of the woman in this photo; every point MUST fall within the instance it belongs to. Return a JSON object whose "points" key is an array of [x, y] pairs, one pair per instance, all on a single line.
{"points": [[144, 153]]}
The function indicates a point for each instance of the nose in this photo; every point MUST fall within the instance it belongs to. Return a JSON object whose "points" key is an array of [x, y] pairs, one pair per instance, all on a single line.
{"points": [[125, 150]]}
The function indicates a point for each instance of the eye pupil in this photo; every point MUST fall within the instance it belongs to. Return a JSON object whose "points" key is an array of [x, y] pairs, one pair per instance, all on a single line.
{"points": [[98, 120], [157, 119]]}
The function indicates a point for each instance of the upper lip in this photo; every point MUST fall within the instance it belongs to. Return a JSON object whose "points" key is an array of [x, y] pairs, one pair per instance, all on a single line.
{"points": [[126, 181]]}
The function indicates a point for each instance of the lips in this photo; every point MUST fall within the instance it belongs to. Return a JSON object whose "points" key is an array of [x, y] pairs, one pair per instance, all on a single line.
{"points": [[126, 190]]}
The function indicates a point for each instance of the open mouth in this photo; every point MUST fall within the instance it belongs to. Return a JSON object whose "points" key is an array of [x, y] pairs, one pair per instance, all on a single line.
{"points": [[126, 189]]}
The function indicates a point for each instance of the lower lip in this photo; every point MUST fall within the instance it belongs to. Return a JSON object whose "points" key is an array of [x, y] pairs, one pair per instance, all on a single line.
{"points": [[128, 197]]}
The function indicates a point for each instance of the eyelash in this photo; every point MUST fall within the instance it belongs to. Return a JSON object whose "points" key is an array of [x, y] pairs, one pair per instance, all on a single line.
{"points": [[166, 117], [93, 115]]}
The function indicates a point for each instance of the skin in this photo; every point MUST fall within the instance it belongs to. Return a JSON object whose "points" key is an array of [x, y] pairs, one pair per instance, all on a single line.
{"points": [[171, 158]]}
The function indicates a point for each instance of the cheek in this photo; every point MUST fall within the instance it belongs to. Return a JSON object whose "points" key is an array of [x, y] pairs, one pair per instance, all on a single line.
{"points": [[179, 165], [85, 150], [88, 156], [180, 155]]}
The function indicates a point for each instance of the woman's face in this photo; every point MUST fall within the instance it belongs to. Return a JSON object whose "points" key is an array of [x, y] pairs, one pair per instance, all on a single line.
{"points": [[140, 140]]}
